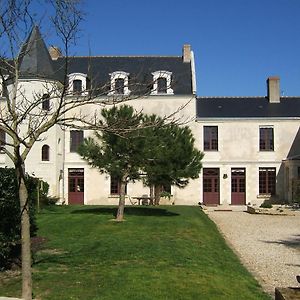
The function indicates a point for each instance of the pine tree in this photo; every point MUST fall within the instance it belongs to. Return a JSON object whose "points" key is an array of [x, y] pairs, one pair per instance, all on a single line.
{"points": [[120, 155], [172, 158]]}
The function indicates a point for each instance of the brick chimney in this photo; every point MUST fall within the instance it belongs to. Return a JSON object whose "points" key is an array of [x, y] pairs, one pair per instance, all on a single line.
{"points": [[54, 52], [186, 53], [273, 84]]}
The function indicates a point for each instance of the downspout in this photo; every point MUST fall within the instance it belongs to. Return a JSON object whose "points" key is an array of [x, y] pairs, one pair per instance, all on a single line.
{"points": [[193, 69]]}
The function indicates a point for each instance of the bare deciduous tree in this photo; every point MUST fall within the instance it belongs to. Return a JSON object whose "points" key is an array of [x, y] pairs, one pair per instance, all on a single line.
{"points": [[22, 119]]}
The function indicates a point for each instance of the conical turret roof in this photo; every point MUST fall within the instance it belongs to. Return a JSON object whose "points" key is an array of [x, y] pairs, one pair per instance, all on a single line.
{"points": [[34, 58]]}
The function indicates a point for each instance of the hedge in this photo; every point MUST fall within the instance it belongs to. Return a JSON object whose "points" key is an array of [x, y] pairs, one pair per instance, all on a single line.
{"points": [[10, 217]]}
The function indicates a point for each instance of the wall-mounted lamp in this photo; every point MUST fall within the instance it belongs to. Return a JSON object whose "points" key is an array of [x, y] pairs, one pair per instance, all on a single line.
{"points": [[225, 176]]}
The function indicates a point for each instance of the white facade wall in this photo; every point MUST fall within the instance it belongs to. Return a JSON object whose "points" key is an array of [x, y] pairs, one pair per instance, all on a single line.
{"points": [[47, 170], [97, 186], [238, 147]]}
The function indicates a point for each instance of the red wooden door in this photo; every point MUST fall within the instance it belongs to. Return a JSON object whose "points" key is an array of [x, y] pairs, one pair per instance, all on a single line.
{"points": [[211, 182], [76, 186], [238, 186]]}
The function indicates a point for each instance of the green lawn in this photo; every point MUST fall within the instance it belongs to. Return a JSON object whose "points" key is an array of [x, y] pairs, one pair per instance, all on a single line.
{"points": [[157, 253]]}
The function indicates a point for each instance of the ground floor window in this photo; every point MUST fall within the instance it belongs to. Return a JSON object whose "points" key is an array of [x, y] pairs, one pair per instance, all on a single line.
{"points": [[267, 181], [166, 187], [115, 185]]}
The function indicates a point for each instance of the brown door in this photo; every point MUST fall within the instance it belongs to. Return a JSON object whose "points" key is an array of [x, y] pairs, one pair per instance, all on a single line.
{"points": [[238, 186], [76, 186], [211, 179]]}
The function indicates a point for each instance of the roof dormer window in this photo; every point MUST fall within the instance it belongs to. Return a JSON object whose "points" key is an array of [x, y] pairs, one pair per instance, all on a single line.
{"points": [[119, 86], [78, 84], [119, 83], [162, 83]]}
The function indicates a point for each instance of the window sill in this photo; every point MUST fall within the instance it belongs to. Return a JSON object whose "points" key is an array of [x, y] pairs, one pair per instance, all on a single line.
{"points": [[264, 196], [162, 94]]}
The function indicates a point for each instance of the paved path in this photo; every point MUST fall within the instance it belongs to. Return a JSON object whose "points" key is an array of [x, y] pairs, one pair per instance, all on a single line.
{"points": [[269, 246], [7, 298]]}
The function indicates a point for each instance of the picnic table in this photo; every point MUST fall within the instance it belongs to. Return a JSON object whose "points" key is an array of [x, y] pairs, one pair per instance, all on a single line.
{"points": [[145, 199]]}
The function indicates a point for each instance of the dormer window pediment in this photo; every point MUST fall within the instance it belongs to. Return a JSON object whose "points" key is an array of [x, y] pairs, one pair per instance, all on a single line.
{"points": [[119, 83], [162, 83], [78, 84]]}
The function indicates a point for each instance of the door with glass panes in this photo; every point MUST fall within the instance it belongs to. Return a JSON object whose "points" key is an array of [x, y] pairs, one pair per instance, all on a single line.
{"points": [[211, 190], [238, 186], [76, 186]]}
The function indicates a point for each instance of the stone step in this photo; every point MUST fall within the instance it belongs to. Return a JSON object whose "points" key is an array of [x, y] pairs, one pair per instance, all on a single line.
{"points": [[224, 208]]}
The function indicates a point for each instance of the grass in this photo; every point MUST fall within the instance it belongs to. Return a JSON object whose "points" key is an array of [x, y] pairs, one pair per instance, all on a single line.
{"points": [[157, 253]]}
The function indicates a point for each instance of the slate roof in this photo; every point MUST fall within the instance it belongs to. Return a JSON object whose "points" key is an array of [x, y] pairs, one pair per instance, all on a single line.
{"points": [[35, 62], [246, 107], [139, 68], [34, 58]]}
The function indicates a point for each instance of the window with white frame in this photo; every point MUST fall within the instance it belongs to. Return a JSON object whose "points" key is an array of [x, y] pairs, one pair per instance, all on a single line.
{"points": [[266, 138], [45, 153], [76, 139], [162, 83], [46, 102], [119, 83], [78, 84]]}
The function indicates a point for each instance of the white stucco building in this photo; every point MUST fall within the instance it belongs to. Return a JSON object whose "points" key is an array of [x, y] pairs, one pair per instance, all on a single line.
{"points": [[158, 85], [250, 144], [251, 147]]}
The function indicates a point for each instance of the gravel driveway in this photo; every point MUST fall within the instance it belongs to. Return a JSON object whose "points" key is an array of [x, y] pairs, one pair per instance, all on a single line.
{"points": [[269, 246]]}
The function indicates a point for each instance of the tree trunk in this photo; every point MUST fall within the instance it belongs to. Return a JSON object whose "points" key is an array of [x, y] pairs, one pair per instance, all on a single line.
{"points": [[25, 232], [120, 213], [157, 191], [151, 194]]}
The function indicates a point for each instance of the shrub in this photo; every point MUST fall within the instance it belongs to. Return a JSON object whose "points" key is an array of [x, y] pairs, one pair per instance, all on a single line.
{"points": [[165, 194], [266, 204], [10, 215]]}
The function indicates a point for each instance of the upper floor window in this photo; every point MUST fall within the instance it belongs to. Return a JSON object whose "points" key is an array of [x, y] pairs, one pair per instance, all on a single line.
{"points": [[266, 139], [119, 86], [162, 83], [267, 181], [79, 84], [119, 83], [45, 153], [46, 102], [210, 138], [76, 139], [4, 86], [2, 139]]}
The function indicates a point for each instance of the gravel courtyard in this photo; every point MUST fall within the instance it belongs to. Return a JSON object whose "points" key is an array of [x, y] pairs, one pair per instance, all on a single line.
{"points": [[269, 246]]}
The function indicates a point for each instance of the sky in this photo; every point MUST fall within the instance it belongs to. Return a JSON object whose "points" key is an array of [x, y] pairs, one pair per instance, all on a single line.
{"points": [[237, 43]]}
